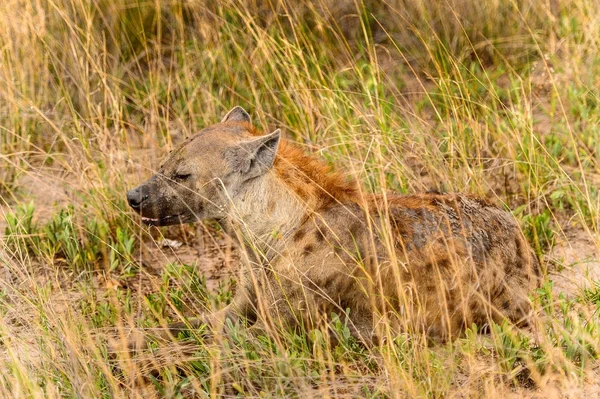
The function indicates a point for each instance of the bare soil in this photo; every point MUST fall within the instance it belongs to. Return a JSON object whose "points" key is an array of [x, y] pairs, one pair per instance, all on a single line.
{"points": [[574, 262]]}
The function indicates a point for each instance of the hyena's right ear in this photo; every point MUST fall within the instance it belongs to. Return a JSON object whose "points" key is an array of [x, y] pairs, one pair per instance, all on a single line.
{"points": [[237, 114], [254, 157]]}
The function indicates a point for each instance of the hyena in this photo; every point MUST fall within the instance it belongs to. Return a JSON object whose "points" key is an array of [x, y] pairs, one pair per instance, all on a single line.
{"points": [[315, 244]]}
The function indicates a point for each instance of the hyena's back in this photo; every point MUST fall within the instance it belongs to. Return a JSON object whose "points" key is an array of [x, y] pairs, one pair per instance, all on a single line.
{"points": [[439, 262]]}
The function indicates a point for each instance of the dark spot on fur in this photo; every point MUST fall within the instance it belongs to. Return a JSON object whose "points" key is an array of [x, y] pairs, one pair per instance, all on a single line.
{"points": [[354, 230], [506, 305], [311, 284], [519, 313], [331, 290], [298, 235], [473, 306], [444, 264], [308, 249], [320, 236], [484, 203], [500, 291], [509, 269]]}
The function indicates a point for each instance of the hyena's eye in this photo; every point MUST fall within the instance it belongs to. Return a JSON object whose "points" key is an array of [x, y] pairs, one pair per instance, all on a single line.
{"points": [[181, 176]]}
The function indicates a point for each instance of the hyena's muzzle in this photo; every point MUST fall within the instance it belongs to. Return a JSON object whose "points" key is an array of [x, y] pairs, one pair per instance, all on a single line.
{"points": [[162, 203]]}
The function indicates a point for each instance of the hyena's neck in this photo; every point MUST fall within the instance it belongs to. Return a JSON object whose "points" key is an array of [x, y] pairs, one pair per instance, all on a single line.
{"points": [[273, 205], [266, 212]]}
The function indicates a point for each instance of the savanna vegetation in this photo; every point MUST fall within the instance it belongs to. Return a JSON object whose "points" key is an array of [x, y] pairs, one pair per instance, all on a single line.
{"points": [[499, 98]]}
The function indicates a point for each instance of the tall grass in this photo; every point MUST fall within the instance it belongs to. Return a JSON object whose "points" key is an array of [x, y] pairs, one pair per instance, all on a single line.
{"points": [[499, 98]]}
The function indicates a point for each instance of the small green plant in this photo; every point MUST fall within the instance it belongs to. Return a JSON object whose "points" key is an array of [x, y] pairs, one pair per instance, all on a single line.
{"points": [[22, 233], [121, 253], [576, 332], [538, 229], [592, 294], [62, 240], [509, 345]]}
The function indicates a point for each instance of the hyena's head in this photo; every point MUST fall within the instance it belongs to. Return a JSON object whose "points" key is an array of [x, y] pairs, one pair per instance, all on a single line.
{"points": [[201, 176]]}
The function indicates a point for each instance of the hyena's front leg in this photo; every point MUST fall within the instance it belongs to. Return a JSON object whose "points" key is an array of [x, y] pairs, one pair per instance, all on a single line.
{"points": [[238, 308], [283, 304], [214, 321]]}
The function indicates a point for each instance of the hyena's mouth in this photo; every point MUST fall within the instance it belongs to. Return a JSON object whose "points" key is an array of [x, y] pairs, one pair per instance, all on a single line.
{"points": [[171, 219]]}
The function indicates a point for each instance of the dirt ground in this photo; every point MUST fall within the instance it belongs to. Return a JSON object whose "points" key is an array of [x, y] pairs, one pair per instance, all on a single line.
{"points": [[575, 263]]}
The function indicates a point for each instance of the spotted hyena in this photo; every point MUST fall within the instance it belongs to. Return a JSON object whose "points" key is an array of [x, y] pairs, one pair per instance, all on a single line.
{"points": [[315, 244]]}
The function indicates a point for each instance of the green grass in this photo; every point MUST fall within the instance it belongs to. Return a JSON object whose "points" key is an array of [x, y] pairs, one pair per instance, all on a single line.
{"points": [[499, 99]]}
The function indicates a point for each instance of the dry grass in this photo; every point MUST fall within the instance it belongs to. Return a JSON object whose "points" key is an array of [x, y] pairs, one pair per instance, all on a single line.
{"points": [[498, 98]]}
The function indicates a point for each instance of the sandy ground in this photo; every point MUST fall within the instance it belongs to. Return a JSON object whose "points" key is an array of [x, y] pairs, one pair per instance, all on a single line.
{"points": [[575, 262]]}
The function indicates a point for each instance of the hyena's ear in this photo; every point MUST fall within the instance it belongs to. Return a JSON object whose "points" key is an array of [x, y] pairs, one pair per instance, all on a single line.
{"points": [[237, 114], [254, 157]]}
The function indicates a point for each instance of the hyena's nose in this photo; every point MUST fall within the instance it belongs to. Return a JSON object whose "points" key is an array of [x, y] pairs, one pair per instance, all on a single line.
{"points": [[135, 198]]}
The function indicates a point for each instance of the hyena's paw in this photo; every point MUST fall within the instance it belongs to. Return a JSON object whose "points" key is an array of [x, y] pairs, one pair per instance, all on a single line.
{"points": [[139, 340], [134, 341]]}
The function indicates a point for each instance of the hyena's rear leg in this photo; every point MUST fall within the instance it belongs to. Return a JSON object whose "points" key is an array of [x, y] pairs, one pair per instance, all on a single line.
{"points": [[294, 309], [362, 327]]}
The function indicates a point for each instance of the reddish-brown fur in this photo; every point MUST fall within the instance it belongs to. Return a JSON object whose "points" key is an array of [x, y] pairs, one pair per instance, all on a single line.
{"points": [[311, 179]]}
